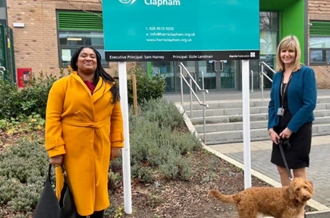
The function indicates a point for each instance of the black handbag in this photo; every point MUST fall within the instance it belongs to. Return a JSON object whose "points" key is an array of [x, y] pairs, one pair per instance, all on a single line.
{"points": [[50, 207]]}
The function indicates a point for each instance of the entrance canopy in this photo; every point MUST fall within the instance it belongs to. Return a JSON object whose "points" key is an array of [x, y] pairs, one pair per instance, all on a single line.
{"points": [[181, 30]]}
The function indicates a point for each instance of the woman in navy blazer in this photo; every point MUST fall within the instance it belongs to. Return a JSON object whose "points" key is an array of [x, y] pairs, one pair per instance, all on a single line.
{"points": [[290, 112]]}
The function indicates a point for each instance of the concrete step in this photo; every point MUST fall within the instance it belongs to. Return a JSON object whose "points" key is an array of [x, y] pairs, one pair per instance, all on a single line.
{"points": [[322, 113], [218, 127], [323, 99], [322, 129], [239, 118], [238, 104], [230, 126], [227, 111], [321, 120], [224, 105], [256, 134], [239, 111], [228, 119], [224, 120]]}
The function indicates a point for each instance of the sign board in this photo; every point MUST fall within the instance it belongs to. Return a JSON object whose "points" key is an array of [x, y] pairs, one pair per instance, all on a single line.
{"points": [[181, 30]]}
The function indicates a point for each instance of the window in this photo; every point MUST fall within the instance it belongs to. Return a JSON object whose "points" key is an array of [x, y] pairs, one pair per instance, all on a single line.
{"points": [[319, 43], [269, 31], [166, 70], [78, 29], [269, 35], [3, 12], [3, 3]]}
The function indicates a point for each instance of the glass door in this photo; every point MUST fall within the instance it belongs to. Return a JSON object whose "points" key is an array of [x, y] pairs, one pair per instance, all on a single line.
{"points": [[228, 74], [210, 74], [218, 74]]}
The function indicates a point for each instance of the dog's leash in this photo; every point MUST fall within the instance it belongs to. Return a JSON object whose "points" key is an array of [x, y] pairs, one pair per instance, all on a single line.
{"points": [[285, 163]]}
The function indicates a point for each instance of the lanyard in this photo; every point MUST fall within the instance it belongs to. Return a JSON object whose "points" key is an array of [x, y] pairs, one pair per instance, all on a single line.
{"points": [[285, 88]]}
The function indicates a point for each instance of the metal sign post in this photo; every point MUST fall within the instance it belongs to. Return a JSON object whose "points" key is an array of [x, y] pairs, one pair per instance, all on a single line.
{"points": [[122, 74], [246, 123]]}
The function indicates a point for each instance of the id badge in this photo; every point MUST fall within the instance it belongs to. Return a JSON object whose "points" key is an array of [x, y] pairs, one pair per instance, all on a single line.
{"points": [[280, 111]]}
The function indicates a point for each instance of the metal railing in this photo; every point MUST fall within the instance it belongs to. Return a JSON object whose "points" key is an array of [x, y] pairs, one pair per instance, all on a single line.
{"points": [[263, 74], [251, 80], [192, 92]]}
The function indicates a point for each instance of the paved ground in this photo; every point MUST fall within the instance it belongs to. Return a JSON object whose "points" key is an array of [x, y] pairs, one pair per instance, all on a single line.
{"points": [[318, 172]]}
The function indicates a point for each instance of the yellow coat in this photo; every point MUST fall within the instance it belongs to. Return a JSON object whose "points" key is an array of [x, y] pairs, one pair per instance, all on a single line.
{"points": [[83, 127]]}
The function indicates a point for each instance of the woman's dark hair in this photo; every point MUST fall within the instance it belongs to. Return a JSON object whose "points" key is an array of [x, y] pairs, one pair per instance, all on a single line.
{"points": [[99, 72]]}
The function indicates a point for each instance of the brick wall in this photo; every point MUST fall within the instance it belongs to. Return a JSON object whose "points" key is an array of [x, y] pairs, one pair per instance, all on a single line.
{"points": [[36, 44], [320, 10]]}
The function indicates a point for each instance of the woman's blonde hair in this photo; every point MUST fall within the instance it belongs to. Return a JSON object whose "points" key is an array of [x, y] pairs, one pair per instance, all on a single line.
{"points": [[289, 42]]}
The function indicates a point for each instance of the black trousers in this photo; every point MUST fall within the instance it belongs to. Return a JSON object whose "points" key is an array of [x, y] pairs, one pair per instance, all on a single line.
{"points": [[96, 214]]}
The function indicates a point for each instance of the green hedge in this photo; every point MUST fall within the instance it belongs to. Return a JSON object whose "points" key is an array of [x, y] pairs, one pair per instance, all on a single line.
{"points": [[31, 99]]}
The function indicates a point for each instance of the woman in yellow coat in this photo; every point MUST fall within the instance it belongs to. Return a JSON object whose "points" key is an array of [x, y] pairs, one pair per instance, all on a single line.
{"points": [[84, 130]]}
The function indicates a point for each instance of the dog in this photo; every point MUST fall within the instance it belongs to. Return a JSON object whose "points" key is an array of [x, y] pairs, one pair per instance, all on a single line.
{"points": [[284, 202]]}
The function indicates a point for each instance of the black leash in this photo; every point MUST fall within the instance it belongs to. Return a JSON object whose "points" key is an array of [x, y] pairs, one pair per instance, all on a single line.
{"points": [[284, 160]]}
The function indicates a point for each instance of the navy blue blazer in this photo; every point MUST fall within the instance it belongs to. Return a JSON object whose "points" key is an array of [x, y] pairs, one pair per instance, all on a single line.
{"points": [[302, 98]]}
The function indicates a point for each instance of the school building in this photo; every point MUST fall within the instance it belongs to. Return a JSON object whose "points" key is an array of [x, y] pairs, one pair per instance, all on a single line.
{"points": [[41, 35]]}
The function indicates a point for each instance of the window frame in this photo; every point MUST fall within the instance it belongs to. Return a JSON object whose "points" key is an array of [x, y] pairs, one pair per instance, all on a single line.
{"points": [[75, 47], [319, 28], [324, 51], [271, 30]]}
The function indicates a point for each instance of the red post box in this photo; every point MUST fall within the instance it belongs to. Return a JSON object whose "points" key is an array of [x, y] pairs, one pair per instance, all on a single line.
{"points": [[24, 76]]}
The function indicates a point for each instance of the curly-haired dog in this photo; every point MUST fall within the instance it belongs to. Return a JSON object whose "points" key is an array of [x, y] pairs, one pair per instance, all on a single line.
{"points": [[284, 202]]}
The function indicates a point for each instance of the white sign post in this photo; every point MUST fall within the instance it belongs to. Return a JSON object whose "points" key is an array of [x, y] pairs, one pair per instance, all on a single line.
{"points": [[122, 74], [246, 123]]}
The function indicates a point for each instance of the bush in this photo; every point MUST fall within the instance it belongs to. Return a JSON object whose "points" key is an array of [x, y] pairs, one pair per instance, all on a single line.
{"points": [[147, 88], [156, 146], [34, 97], [23, 170], [4, 125], [9, 99], [31, 99], [162, 112], [114, 181], [144, 174], [8, 189]]}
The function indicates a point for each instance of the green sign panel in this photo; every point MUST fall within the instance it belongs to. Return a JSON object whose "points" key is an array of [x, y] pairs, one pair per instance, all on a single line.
{"points": [[180, 30]]}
